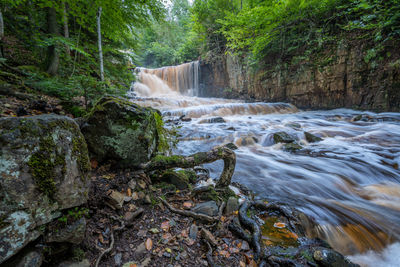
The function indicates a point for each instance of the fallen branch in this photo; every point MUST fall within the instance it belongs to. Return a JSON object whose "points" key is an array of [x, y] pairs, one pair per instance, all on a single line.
{"points": [[188, 213], [210, 260], [224, 153]]}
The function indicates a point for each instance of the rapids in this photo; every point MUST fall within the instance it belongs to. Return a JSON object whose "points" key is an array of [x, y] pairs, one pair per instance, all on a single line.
{"points": [[348, 184]]}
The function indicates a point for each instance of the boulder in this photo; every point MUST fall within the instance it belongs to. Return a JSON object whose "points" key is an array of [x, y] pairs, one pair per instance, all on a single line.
{"points": [[43, 169], [126, 133], [282, 137]]}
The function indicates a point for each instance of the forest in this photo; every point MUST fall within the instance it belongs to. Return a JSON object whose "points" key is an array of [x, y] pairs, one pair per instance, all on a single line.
{"points": [[56, 43]]}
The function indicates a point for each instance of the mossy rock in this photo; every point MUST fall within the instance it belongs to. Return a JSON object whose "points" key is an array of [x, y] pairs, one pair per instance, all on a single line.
{"points": [[43, 169], [292, 147], [312, 138], [282, 137], [181, 179], [118, 130]]}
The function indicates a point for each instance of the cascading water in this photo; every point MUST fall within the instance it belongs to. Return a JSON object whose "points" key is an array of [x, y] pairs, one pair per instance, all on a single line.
{"points": [[182, 79], [349, 183]]}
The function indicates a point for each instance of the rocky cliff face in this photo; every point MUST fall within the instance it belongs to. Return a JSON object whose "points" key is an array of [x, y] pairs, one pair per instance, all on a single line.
{"points": [[339, 78]]}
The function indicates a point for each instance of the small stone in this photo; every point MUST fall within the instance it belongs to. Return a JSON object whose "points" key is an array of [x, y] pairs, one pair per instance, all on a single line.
{"points": [[312, 138], [116, 199], [127, 199], [118, 259], [141, 195], [132, 184], [231, 129], [147, 199], [245, 246], [282, 137], [232, 205], [193, 231], [135, 196], [154, 230], [209, 208], [140, 250], [166, 254], [142, 184]]}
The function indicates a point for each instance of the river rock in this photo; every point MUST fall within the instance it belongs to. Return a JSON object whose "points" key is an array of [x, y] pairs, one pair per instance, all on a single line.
{"points": [[231, 205], [42, 158], [330, 258], [126, 133], [312, 138], [282, 137], [209, 208], [72, 233], [292, 147], [213, 120]]}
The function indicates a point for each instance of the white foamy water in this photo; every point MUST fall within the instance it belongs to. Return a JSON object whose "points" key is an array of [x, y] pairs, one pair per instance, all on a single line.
{"points": [[349, 183]]}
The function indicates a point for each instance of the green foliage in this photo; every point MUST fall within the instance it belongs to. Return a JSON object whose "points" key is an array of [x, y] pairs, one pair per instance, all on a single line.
{"points": [[73, 214], [169, 42]]}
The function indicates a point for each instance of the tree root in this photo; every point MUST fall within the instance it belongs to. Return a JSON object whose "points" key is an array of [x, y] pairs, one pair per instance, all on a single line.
{"points": [[209, 255], [188, 213], [109, 249], [251, 225], [224, 153]]}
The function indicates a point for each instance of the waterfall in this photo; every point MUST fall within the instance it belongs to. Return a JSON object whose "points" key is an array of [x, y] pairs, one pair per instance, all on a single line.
{"points": [[182, 79]]}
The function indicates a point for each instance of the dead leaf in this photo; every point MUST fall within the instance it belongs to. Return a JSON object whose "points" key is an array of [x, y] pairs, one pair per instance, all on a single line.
{"points": [[242, 264], [129, 192], [149, 244], [252, 263], [165, 226], [279, 225], [93, 163], [187, 205]]}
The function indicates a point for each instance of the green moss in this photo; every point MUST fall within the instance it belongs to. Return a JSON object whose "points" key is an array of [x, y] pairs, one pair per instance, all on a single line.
{"points": [[179, 179], [78, 146], [160, 159], [211, 194], [162, 134], [42, 165], [166, 186], [200, 158], [190, 174]]}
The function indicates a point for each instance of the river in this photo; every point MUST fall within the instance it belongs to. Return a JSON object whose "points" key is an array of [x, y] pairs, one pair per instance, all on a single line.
{"points": [[348, 184]]}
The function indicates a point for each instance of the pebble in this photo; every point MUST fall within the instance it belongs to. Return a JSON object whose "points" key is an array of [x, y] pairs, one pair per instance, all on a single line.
{"points": [[193, 231]]}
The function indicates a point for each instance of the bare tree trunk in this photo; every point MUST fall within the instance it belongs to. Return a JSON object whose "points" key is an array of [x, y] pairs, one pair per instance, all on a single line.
{"points": [[53, 56], [99, 43], [1, 34], [66, 30]]}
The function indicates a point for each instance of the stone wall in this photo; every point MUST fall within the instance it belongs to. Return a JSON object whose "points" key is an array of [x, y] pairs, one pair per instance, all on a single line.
{"points": [[340, 78]]}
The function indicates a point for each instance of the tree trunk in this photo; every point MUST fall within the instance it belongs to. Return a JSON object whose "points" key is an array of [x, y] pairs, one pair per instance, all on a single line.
{"points": [[1, 34], [53, 56], [66, 30], [99, 43]]}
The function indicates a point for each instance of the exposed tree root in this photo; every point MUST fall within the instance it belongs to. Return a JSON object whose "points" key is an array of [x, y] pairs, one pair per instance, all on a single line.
{"points": [[224, 153], [109, 249], [209, 255], [192, 214], [251, 225]]}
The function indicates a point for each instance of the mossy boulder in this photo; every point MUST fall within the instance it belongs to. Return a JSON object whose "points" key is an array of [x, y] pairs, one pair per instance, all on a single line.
{"points": [[180, 179], [121, 131], [282, 137], [312, 138], [43, 169]]}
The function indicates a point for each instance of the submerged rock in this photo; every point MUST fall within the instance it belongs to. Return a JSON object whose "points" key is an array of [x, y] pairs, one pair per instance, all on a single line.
{"points": [[43, 169], [312, 138], [292, 147], [213, 120], [119, 130], [282, 137]]}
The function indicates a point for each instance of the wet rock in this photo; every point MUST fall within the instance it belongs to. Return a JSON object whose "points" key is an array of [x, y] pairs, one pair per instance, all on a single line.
{"points": [[42, 158], [330, 258], [293, 125], [116, 199], [231, 128], [231, 146], [119, 130], [193, 231], [245, 246], [282, 137], [209, 208], [292, 147], [83, 263], [312, 138], [231, 205], [213, 120], [73, 233]]}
